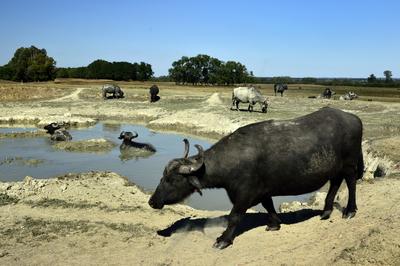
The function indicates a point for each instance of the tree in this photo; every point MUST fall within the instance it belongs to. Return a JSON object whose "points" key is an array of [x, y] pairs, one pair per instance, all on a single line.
{"points": [[372, 79], [29, 64], [388, 76], [205, 69]]}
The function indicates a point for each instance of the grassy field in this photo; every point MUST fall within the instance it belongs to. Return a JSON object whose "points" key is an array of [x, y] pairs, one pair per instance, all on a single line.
{"points": [[42, 90]]}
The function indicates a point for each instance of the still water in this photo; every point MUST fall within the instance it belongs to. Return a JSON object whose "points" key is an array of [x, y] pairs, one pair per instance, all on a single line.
{"points": [[145, 172]]}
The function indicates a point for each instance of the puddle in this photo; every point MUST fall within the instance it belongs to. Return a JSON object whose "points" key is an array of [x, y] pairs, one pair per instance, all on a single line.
{"points": [[144, 170]]}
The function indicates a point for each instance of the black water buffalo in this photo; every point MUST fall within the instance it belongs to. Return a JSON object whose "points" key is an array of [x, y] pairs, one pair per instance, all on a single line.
{"points": [[58, 131], [279, 87], [248, 95], [61, 135], [113, 89], [327, 93], [52, 127], [153, 91], [128, 142], [271, 158]]}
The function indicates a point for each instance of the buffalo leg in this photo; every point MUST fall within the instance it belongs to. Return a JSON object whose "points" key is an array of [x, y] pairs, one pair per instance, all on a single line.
{"points": [[237, 105], [233, 104], [333, 188], [275, 222], [351, 208], [228, 235]]}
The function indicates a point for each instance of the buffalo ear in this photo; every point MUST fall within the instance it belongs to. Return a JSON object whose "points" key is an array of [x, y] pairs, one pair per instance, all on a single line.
{"points": [[194, 181]]}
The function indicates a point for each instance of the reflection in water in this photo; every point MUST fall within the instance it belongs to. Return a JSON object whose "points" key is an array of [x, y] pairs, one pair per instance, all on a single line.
{"points": [[112, 127], [134, 154]]}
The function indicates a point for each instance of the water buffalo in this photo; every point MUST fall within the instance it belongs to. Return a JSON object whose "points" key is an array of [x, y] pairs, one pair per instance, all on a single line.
{"points": [[248, 95], [153, 91], [113, 89], [128, 142], [279, 87], [61, 135], [349, 96], [326, 94], [58, 131], [271, 158]]}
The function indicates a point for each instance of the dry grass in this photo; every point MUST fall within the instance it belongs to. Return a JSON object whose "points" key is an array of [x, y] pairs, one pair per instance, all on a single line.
{"points": [[13, 92], [60, 87]]}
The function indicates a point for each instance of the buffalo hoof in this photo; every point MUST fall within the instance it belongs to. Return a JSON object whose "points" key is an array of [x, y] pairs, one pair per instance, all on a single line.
{"points": [[348, 214], [221, 244], [326, 214], [274, 227]]}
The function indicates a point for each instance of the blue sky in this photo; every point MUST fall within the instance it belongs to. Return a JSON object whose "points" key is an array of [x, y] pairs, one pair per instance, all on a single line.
{"points": [[272, 38]]}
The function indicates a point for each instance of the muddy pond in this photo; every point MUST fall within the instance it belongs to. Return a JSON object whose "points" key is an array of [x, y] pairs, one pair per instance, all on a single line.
{"points": [[37, 157]]}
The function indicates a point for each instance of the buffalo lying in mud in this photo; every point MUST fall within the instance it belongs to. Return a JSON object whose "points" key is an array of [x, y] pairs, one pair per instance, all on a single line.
{"points": [[271, 158], [113, 89], [128, 142], [248, 95], [349, 96], [153, 91], [58, 131]]}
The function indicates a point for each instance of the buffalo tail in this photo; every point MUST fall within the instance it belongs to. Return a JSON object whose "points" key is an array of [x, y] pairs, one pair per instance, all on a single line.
{"points": [[360, 165]]}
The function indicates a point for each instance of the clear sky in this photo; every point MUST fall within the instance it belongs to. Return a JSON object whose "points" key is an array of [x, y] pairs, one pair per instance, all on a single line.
{"points": [[297, 38]]}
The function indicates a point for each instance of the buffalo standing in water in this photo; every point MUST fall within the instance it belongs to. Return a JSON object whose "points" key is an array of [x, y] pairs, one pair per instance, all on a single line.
{"points": [[271, 158]]}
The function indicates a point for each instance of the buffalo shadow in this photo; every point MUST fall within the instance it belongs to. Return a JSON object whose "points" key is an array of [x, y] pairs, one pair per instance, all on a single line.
{"points": [[249, 222], [247, 111]]}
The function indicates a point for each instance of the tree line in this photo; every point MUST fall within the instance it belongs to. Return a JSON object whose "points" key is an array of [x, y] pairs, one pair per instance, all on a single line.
{"points": [[371, 81], [101, 69], [33, 64], [204, 69]]}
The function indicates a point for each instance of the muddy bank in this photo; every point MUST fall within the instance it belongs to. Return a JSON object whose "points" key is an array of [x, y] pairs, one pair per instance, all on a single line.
{"points": [[90, 145], [99, 218], [24, 134]]}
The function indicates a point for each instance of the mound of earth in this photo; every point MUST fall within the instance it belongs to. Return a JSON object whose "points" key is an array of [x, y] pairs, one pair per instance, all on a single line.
{"points": [[215, 99], [91, 145]]}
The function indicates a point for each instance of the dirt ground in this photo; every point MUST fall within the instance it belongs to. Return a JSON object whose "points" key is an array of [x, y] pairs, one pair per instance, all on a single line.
{"points": [[99, 218]]}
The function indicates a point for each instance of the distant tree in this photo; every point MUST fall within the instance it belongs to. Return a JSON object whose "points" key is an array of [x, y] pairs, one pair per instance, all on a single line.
{"points": [[62, 72], [283, 79], [372, 79], [29, 64], [144, 71], [205, 69], [388, 76], [308, 80], [102, 69]]}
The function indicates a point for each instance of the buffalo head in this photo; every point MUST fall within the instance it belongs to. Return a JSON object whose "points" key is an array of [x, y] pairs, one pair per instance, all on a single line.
{"points": [[127, 135], [52, 127], [180, 179], [264, 106]]}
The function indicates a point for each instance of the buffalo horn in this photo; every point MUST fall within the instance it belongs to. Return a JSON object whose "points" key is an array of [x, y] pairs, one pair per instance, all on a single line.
{"points": [[135, 135], [186, 152], [196, 165]]}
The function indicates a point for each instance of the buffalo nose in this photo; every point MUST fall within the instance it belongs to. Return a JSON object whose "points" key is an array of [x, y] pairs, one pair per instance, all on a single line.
{"points": [[151, 203]]}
